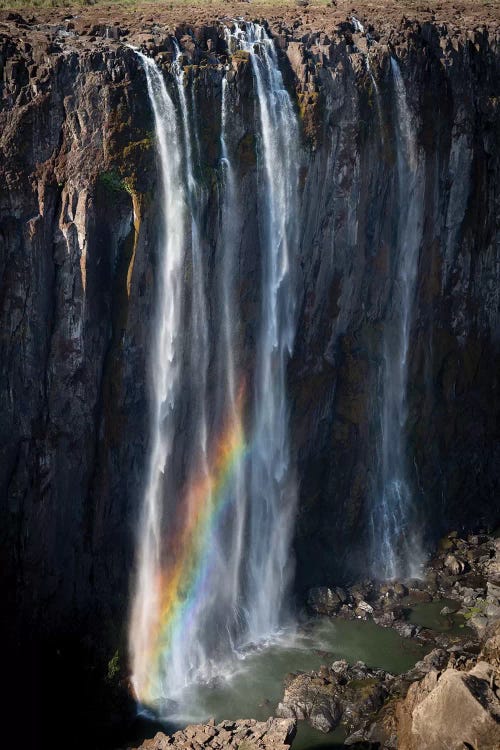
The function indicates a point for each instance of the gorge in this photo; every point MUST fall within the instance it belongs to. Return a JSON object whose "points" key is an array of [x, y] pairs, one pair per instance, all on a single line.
{"points": [[250, 325]]}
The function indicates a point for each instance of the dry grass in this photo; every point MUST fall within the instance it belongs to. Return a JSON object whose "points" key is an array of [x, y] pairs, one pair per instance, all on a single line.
{"points": [[165, 4], [33, 4]]}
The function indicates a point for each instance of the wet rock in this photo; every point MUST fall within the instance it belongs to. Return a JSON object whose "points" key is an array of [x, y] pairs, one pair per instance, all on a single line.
{"points": [[385, 619], [340, 668], [448, 610], [406, 629], [324, 601], [454, 565], [400, 590], [363, 592], [273, 734], [311, 697], [437, 659], [418, 595], [363, 609], [345, 693]]}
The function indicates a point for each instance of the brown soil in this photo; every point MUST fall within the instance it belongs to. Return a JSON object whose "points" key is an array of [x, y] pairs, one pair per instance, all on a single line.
{"points": [[140, 18]]}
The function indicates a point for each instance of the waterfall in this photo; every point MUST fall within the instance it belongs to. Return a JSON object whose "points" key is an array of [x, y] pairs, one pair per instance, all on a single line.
{"points": [[377, 97], [229, 239], [271, 488], [219, 501], [165, 373], [396, 543]]}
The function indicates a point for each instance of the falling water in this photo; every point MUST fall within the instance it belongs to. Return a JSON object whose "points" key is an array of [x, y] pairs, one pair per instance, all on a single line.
{"points": [[271, 488], [229, 241], [165, 371], [377, 97], [214, 544], [397, 549]]}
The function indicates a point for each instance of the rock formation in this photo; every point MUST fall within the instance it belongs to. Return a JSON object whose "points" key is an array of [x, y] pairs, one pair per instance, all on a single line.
{"points": [[451, 698], [274, 734], [351, 694], [452, 709]]}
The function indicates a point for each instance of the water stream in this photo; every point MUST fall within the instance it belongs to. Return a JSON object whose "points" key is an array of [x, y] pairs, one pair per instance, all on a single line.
{"points": [[214, 561], [219, 499], [397, 550], [165, 375], [271, 486]]}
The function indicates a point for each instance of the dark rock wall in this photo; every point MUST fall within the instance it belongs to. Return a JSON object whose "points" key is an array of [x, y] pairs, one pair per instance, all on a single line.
{"points": [[78, 244], [349, 253]]}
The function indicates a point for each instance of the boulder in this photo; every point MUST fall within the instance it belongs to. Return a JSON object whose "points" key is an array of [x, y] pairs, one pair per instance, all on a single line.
{"points": [[400, 590], [448, 611], [418, 595], [451, 710], [454, 565], [348, 693], [363, 591], [386, 619], [364, 610], [324, 601], [434, 660], [311, 697], [491, 647], [493, 592], [406, 629], [340, 668]]}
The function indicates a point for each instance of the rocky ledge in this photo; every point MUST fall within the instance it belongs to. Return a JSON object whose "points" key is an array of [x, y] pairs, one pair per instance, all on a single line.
{"points": [[421, 708], [453, 708], [247, 734], [333, 694], [465, 570], [451, 698]]}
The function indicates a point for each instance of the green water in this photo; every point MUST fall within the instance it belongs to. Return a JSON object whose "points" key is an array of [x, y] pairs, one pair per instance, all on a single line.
{"points": [[428, 615], [255, 689]]}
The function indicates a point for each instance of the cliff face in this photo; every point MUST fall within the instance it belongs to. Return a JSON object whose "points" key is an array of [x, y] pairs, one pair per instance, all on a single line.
{"points": [[351, 210], [78, 244]]}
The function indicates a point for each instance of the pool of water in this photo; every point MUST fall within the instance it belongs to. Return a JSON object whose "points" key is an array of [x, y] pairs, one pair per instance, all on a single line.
{"points": [[256, 686], [428, 615]]}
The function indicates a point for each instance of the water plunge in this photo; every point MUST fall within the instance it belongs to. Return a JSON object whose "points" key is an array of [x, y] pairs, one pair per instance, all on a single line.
{"points": [[397, 551], [215, 532], [219, 501]]}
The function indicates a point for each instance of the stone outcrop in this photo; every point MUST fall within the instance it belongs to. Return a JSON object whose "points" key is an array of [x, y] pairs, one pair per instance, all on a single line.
{"points": [[451, 698], [244, 734], [463, 569], [345, 694], [452, 709]]}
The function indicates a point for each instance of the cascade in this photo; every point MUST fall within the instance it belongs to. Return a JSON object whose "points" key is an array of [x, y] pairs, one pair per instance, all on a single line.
{"points": [[229, 238], [396, 545], [271, 489], [214, 543], [165, 375], [377, 97]]}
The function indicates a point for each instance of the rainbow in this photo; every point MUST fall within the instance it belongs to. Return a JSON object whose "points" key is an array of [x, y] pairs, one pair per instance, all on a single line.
{"points": [[179, 583]]}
